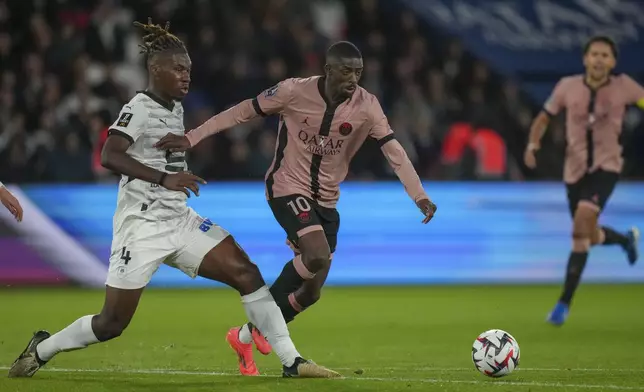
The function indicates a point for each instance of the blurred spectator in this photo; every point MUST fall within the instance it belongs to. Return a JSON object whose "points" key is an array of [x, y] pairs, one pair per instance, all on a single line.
{"points": [[67, 67], [71, 161]]}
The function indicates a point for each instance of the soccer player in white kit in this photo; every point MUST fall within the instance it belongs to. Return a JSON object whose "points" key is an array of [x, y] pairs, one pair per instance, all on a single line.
{"points": [[153, 224]]}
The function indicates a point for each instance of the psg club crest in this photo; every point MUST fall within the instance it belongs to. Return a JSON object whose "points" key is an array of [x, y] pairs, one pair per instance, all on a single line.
{"points": [[345, 129], [271, 91], [304, 217]]}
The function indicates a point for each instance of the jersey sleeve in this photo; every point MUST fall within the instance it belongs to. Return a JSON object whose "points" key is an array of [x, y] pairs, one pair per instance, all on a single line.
{"points": [[275, 99], [380, 129], [634, 92], [131, 122], [394, 152], [555, 101]]}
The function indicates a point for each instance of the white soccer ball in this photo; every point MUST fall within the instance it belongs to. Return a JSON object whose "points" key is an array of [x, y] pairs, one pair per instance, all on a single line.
{"points": [[495, 353]]}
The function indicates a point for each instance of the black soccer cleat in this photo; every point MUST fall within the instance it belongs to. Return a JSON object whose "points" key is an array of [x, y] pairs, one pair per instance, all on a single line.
{"points": [[303, 368], [632, 248], [28, 362]]}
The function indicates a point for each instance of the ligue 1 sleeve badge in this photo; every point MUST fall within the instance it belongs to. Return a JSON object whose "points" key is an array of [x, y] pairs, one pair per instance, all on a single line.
{"points": [[271, 91], [345, 129]]}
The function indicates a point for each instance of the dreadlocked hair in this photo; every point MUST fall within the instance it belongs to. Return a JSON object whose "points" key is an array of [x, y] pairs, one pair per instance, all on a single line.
{"points": [[158, 39]]}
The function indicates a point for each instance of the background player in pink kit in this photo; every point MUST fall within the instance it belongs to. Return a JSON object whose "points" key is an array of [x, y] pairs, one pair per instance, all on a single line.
{"points": [[324, 120], [595, 104]]}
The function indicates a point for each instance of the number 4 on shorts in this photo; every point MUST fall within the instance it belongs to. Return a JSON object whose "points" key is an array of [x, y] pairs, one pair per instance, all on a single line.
{"points": [[125, 255]]}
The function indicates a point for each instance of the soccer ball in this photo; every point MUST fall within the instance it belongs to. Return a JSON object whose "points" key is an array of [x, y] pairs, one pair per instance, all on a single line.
{"points": [[495, 353]]}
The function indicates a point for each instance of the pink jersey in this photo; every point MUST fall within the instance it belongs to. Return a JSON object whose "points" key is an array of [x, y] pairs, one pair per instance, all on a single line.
{"points": [[593, 122], [316, 141]]}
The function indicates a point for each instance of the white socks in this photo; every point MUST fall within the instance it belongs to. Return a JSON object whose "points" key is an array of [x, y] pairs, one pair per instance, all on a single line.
{"points": [[245, 335], [264, 313], [260, 307], [77, 335]]}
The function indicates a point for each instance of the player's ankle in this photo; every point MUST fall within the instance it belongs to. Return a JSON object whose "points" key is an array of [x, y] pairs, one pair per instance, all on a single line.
{"points": [[245, 334]]}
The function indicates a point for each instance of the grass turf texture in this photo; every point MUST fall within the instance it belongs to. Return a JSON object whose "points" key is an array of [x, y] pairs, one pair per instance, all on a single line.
{"points": [[405, 339]]}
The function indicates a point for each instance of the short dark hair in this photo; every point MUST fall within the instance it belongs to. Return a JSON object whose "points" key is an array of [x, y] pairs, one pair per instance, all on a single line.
{"points": [[603, 39], [159, 39], [343, 49]]}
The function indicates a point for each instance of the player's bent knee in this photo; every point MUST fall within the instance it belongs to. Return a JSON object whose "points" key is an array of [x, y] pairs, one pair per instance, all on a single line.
{"points": [[598, 236], [317, 260], [583, 228], [585, 223], [314, 246], [316, 254], [229, 264]]}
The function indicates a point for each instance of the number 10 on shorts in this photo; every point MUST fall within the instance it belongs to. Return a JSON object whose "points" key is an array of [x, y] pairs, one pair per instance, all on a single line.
{"points": [[299, 205]]}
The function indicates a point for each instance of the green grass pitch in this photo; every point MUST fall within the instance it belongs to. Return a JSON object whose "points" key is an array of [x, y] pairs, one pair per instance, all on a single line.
{"points": [[405, 339]]}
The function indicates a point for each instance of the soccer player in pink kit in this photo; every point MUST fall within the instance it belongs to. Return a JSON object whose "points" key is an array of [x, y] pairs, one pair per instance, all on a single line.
{"points": [[595, 104], [324, 120]]}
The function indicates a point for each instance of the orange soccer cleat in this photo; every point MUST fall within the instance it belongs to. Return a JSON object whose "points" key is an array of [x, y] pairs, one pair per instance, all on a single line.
{"points": [[260, 342], [247, 366]]}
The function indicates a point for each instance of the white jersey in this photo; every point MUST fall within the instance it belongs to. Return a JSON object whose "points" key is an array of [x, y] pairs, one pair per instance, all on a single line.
{"points": [[153, 225], [144, 121]]}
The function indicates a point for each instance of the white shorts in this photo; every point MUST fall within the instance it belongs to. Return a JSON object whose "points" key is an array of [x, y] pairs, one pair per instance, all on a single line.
{"points": [[140, 246]]}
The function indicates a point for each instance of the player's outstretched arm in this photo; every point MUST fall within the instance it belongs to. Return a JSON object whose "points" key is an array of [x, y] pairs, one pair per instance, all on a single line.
{"points": [[398, 160], [10, 202], [271, 101], [404, 169], [238, 114]]}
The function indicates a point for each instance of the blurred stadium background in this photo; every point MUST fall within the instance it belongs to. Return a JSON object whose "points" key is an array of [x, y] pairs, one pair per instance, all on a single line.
{"points": [[459, 80]]}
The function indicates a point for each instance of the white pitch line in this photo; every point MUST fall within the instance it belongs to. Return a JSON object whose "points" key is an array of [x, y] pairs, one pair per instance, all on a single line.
{"points": [[468, 369], [381, 379]]}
